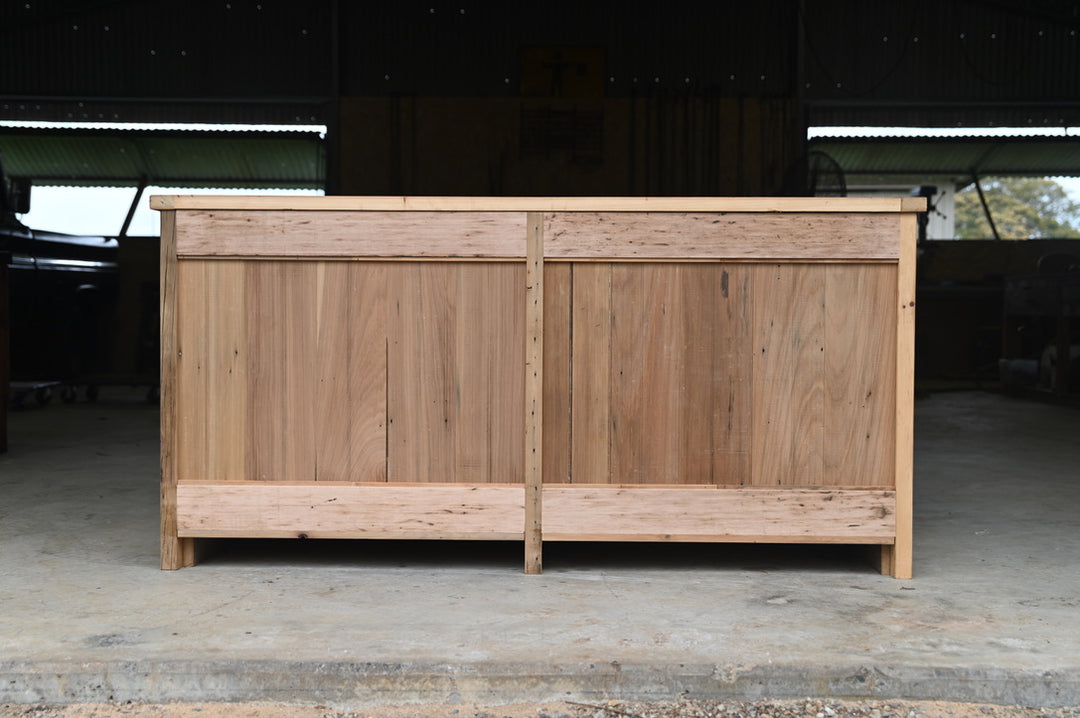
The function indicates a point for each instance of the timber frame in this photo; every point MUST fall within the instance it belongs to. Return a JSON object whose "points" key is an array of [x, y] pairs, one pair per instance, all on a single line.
{"points": [[538, 369]]}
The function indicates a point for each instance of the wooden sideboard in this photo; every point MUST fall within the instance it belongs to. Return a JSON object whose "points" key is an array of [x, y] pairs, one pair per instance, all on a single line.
{"points": [[538, 369]]}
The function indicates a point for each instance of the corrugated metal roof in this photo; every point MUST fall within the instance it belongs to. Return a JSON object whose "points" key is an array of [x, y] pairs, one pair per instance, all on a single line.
{"points": [[171, 158], [954, 156]]}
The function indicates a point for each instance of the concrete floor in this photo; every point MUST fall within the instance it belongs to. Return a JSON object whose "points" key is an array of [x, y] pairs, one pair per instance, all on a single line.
{"points": [[993, 613]]}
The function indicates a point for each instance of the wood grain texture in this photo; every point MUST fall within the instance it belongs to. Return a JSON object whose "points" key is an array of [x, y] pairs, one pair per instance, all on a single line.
{"points": [[455, 387], [788, 348], [211, 367], [350, 371], [720, 236], [399, 203], [558, 417], [824, 363], [901, 560], [661, 389], [175, 552], [584, 513], [680, 369], [332, 510], [591, 374], [191, 360], [859, 371], [281, 337], [533, 415], [732, 403], [275, 233], [662, 379]]}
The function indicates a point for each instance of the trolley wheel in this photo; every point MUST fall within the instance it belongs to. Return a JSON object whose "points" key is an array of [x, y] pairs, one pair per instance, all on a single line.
{"points": [[91, 392], [68, 394], [43, 395]]}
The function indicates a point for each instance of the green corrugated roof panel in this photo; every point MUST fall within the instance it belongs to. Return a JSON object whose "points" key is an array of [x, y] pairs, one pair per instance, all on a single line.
{"points": [[954, 156], [169, 158]]}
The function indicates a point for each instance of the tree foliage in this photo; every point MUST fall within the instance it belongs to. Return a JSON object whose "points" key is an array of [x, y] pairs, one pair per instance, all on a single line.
{"points": [[1022, 207]]}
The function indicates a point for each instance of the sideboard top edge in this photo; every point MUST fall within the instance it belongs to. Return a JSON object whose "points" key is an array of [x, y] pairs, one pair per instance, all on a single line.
{"points": [[539, 204]]}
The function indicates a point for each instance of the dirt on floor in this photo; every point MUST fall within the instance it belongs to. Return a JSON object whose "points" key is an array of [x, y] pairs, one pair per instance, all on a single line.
{"points": [[806, 708]]}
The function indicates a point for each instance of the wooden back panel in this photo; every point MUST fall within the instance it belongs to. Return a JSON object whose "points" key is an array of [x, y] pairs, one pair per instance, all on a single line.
{"points": [[324, 347], [350, 371], [730, 374]]}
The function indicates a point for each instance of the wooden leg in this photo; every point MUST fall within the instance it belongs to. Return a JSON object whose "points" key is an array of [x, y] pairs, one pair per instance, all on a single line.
{"points": [[534, 393], [177, 553], [896, 561], [885, 561]]}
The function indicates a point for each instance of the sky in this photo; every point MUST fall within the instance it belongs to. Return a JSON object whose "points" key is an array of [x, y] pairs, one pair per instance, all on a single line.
{"points": [[101, 210]]}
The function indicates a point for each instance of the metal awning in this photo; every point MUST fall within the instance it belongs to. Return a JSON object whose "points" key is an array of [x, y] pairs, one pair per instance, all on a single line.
{"points": [[913, 158], [250, 159]]}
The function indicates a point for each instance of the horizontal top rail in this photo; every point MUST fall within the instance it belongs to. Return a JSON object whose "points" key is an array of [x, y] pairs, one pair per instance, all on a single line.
{"points": [[540, 204]]}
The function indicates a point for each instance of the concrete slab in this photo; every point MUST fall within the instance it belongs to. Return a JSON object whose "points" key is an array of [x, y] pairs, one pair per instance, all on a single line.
{"points": [[991, 615]]}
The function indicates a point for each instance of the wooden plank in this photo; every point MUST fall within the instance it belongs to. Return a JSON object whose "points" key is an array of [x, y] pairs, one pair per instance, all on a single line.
{"points": [[788, 424], [662, 390], [191, 364], [662, 358], [226, 364], [604, 513], [420, 390], [176, 552], [278, 233], [534, 394], [591, 374], [537, 204], [644, 386], [900, 559], [489, 384], [332, 510], [859, 375], [455, 384], [558, 415], [732, 405], [281, 301], [731, 236], [350, 423]]}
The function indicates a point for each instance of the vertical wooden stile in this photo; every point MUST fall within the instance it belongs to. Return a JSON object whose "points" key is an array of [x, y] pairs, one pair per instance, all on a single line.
{"points": [[175, 552], [898, 559], [534, 391]]}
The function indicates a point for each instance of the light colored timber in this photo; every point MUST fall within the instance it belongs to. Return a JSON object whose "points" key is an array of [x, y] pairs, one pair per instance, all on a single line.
{"points": [[534, 394], [211, 364], [455, 372], [176, 552], [680, 367], [558, 417], [334, 510], [539, 204], [899, 562], [281, 337], [721, 514], [350, 372], [727, 236], [787, 430], [859, 400], [684, 376], [279, 233], [591, 381]]}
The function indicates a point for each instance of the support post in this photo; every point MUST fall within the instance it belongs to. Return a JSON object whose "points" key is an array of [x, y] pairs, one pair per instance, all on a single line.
{"points": [[175, 551], [897, 559], [534, 391]]}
